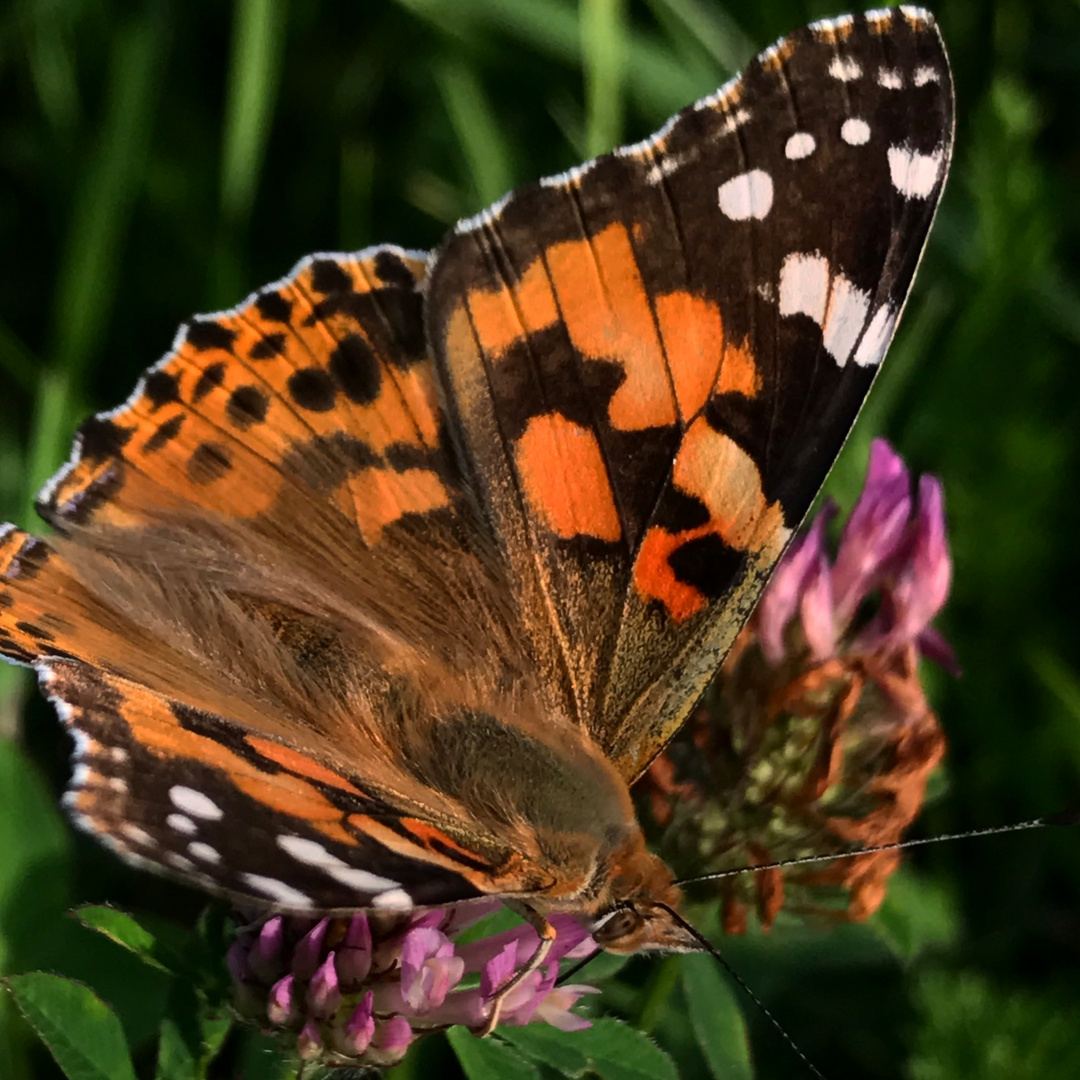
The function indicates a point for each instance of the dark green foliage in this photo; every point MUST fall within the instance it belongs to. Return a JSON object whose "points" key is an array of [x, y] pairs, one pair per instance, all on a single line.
{"points": [[159, 159]]}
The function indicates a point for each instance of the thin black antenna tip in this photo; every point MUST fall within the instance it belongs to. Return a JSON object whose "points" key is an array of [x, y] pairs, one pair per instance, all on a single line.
{"points": [[1069, 816]]}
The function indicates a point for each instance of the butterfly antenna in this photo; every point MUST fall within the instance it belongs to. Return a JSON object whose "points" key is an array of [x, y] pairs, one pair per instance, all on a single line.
{"points": [[1063, 817], [564, 976], [713, 951]]}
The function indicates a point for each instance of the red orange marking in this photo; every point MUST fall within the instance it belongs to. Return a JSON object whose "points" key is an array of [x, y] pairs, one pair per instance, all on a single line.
{"points": [[383, 496], [429, 835], [655, 579], [715, 469], [300, 764]]}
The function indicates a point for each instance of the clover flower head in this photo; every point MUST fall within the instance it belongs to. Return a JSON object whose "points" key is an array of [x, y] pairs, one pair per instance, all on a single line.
{"points": [[818, 711], [361, 989]]}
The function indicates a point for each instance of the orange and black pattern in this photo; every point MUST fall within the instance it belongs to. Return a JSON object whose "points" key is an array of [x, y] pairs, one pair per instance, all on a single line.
{"points": [[384, 586]]}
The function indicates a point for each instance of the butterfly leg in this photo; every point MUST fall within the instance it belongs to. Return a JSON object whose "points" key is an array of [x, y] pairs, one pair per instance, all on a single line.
{"points": [[546, 933]]}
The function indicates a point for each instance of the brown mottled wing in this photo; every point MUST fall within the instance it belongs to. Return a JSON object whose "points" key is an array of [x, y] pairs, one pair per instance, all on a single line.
{"points": [[652, 360]]}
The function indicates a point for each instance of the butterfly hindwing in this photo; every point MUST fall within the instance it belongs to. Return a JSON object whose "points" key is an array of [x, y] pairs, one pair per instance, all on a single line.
{"points": [[652, 360], [231, 810]]}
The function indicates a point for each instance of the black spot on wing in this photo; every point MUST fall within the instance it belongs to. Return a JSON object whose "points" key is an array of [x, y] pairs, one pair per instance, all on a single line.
{"points": [[161, 388], [393, 271], [329, 277], [165, 433], [355, 368], [209, 461], [247, 406], [274, 307], [208, 334], [312, 389], [212, 377], [101, 438], [708, 565], [267, 347]]}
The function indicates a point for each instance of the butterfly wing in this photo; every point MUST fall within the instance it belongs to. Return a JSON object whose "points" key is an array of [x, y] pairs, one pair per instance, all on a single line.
{"points": [[653, 360], [315, 387], [251, 619]]}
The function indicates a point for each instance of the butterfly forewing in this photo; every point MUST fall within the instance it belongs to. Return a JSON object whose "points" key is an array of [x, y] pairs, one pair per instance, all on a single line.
{"points": [[654, 359]]}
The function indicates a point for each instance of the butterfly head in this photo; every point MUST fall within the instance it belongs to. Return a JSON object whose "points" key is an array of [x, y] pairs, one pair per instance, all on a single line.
{"points": [[642, 908]]}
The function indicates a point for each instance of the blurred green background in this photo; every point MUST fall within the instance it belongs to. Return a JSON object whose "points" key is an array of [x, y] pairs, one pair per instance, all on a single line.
{"points": [[160, 159]]}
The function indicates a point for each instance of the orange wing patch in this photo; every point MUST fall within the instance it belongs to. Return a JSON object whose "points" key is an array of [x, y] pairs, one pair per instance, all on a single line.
{"points": [[500, 317], [565, 480]]}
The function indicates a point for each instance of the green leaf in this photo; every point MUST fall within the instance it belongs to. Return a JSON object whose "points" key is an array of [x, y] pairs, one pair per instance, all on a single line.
{"points": [[488, 1059], [716, 1019], [617, 1051], [254, 73], [609, 1049], [97, 229], [120, 927], [81, 1031], [125, 931], [548, 1045], [192, 1033], [477, 129]]}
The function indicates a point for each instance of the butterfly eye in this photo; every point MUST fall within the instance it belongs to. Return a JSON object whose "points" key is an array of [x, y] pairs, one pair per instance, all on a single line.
{"points": [[619, 924]]}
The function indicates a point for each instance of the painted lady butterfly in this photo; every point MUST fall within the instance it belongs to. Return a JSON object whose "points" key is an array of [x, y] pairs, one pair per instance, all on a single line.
{"points": [[384, 586]]}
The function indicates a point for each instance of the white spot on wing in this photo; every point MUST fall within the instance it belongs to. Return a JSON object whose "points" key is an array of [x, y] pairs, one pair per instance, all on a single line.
{"points": [[890, 79], [913, 174], [278, 891], [845, 68], [393, 900], [875, 341], [204, 852], [182, 824], [137, 835], [855, 132], [195, 803], [118, 754], [665, 166], [844, 319], [800, 145], [118, 784], [924, 75], [179, 861], [312, 853], [748, 195], [804, 286], [734, 120]]}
